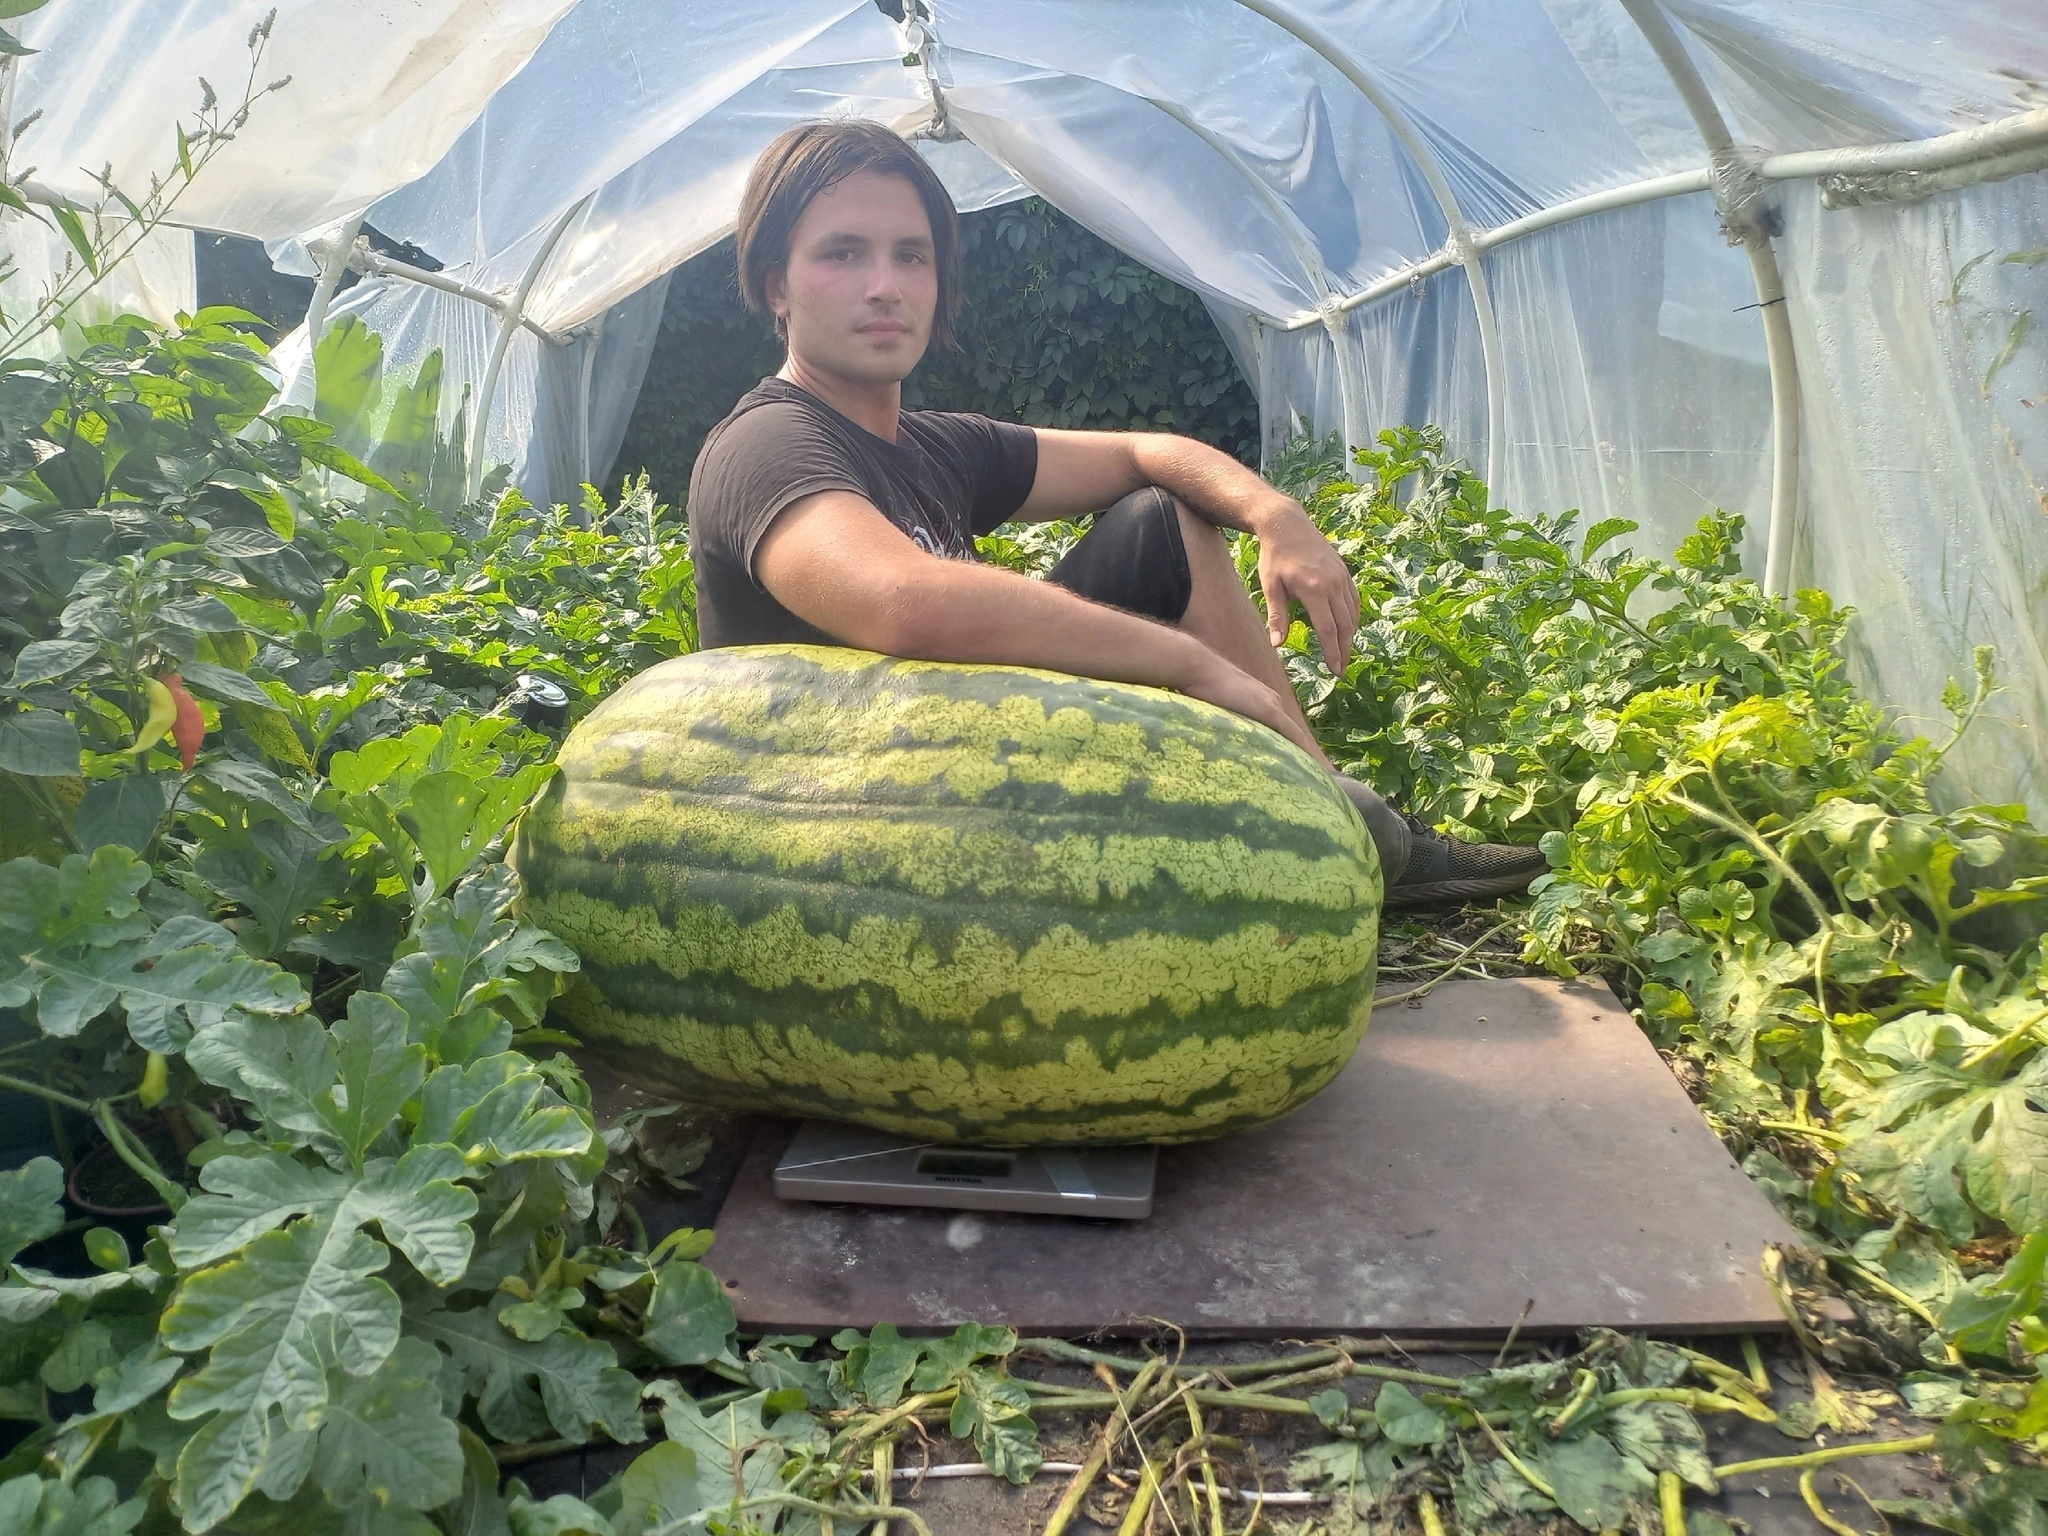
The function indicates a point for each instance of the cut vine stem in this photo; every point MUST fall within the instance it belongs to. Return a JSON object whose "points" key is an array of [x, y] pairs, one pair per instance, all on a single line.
{"points": [[1448, 971], [1671, 1503], [1833, 1453], [1811, 1495], [1084, 1476], [52, 1095]]}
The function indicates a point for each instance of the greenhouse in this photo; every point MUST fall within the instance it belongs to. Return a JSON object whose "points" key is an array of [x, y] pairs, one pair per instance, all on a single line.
{"points": [[1667, 374]]}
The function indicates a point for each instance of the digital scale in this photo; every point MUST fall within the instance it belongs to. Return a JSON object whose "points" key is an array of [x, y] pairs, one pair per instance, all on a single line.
{"points": [[851, 1164]]}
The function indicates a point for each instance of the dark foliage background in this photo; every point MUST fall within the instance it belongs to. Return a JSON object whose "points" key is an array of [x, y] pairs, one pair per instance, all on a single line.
{"points": [[1060, 329]]}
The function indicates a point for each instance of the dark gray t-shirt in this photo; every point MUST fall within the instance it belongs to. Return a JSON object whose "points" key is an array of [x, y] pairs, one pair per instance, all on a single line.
{"points": [[947, 478]]}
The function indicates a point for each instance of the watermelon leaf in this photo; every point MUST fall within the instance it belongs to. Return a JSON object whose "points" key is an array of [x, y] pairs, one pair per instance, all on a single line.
{"points": [[690, 1318], [31, 1205], [384, 1438], [566, 1381]]}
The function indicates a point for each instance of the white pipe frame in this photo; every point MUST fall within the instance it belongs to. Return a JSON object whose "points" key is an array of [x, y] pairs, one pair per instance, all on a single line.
{"points": [[1459, 242], [1332, 306], [508, 322], [1664, 41], [2021, 131], [372, 263]]}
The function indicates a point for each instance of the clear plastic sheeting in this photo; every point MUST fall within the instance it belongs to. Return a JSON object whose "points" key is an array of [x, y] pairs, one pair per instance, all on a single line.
{"points": [[1326, 174], [1927, 454], [159, 277], [379, 88]]}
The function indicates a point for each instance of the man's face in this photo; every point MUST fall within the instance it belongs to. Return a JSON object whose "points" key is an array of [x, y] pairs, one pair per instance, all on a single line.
{"points": [[861, 285]]}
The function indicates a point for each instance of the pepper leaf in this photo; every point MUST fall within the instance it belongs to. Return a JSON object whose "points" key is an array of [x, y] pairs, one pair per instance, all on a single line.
{"points": [[41, 744]]}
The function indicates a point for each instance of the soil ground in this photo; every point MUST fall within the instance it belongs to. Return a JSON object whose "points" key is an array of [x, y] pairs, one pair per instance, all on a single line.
{"points": [[1766, 1504]]}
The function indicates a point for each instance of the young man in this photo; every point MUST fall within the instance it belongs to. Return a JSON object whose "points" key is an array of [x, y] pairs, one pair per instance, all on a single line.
{"points": [[821, 512]]}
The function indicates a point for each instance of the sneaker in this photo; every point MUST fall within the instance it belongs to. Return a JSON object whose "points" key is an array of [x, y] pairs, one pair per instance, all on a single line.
{"points": [[1447, 871]]}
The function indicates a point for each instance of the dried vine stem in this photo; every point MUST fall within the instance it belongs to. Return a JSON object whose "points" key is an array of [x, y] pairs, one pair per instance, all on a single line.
{"points": [[1077, 1490]]}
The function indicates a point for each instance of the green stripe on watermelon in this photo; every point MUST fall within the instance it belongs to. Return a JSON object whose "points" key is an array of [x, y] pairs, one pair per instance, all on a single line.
{"points": [[980, 904], [1191, 1089], [976, 853], [1059, 975], [915, 735]]}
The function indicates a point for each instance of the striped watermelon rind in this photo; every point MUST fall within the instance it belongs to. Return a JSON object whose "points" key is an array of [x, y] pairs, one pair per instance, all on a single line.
{"points": [[981, 904]]}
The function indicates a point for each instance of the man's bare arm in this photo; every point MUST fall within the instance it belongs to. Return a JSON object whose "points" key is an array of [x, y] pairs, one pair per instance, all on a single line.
{"points": [[836, 562], [1086, 471]]}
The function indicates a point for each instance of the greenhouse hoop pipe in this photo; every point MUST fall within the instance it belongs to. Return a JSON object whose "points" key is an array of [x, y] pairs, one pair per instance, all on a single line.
{"points": [[1663, 39], [1330, 310], [593, 338], [2022, 131], [508, 322], [330, 259], [1459, 242], [373, 263]]}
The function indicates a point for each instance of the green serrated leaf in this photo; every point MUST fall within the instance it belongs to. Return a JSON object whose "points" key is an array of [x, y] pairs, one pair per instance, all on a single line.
{"points": [[31, 1205], [452, 816], [415, 1202], [734, 1458], [560, 1514], [497, 1110], [39, 1506], [139, 1375], [272, 1316], [384, 1435], [567, 1381], [995, 1413], [283, 1069], [379, 1070], [1351, 1469], [279, 872], [166, 996], [885, 1369]]}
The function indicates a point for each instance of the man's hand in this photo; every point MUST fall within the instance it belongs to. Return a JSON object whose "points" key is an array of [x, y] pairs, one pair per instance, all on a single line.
{"points": [[1230, 687], [1086, 471], [1298, 565]]}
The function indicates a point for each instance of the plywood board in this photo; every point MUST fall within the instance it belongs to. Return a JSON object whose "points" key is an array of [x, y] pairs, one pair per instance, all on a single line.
{"points": [[1499, 1144]]}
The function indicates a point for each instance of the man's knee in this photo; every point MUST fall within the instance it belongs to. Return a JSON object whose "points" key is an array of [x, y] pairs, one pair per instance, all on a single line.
{"points": [[1198, 535]]}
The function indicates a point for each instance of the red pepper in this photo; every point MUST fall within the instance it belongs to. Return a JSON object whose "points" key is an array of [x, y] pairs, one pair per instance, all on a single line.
{"points": [[189, 729]]}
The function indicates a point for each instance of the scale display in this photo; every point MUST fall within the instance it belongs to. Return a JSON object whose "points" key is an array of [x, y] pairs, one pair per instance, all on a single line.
{"points": [[855, 1165]]}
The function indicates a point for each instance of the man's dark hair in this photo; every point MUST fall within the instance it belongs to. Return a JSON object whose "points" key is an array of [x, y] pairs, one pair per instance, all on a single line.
{"points": [[809, 159]]}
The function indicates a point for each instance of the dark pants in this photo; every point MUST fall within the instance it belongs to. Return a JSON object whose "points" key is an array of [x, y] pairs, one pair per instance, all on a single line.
{"points": [[1133, 558]]}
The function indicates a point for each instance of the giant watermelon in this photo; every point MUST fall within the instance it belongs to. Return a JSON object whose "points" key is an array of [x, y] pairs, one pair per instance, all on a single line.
{"points": [[965, 903]]}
